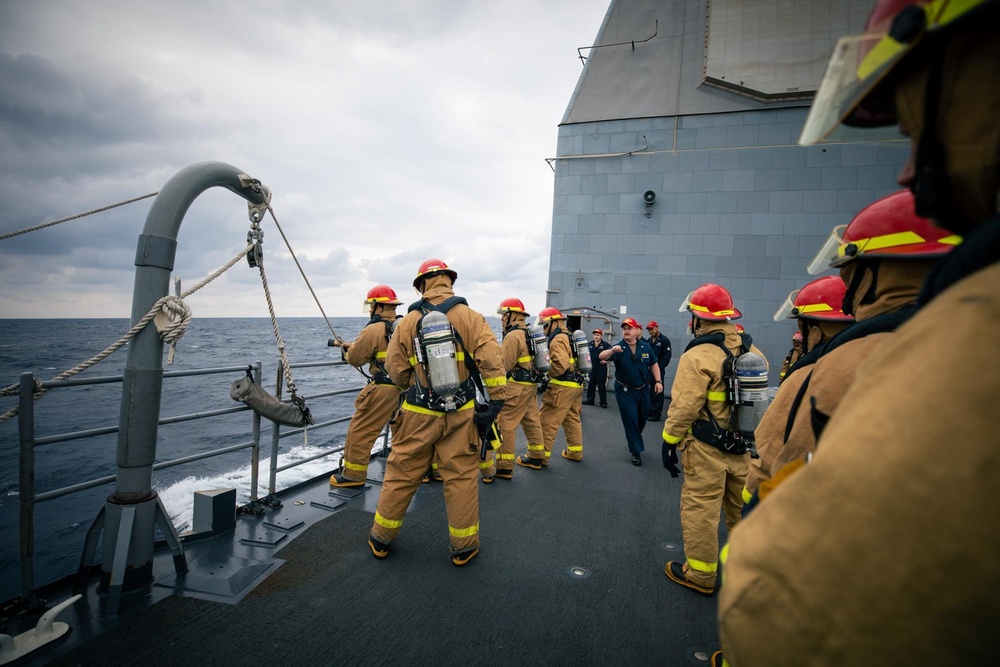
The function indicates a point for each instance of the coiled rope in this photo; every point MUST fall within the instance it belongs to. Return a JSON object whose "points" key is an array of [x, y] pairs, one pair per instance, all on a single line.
{"points": [[174, 314]]}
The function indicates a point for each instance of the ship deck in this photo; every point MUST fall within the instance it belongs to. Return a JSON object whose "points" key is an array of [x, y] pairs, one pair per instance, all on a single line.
{"points": [[570, 572]]}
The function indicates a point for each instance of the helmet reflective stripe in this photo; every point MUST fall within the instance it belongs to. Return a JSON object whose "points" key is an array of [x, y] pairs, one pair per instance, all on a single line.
{"points": [[860, 62]]}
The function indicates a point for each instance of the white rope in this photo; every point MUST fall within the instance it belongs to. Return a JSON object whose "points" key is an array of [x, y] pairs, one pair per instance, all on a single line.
{"points": [[173, 311], [74, 217]]}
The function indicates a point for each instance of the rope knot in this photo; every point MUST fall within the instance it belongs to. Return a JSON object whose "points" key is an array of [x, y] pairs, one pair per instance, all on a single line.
{"points": [[172, 318]]}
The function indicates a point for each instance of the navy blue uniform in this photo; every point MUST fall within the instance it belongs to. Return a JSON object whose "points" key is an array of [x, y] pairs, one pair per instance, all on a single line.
{"points": [[599, 375], [661, 348], [633, 381]]}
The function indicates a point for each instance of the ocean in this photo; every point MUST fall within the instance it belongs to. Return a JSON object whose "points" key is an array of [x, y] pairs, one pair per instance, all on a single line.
{"points": [[49, 347]]}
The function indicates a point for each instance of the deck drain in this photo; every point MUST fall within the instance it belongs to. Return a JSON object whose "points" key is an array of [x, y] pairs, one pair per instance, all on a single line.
{"points": [[578, 572], [701, 656]]}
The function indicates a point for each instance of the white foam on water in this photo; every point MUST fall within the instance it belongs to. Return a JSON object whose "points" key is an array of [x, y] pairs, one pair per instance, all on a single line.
{"points": [[178, 498]]}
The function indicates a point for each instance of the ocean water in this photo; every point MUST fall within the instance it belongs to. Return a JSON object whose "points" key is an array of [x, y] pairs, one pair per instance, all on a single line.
{"points": [[49, 347]]}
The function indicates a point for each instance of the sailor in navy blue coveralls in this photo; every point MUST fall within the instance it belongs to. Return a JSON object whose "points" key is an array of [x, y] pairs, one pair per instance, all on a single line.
{"points": [[635, 371]]}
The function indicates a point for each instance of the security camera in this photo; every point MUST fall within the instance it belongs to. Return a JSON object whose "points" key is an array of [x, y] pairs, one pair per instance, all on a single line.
{"points": [[649, 196]]}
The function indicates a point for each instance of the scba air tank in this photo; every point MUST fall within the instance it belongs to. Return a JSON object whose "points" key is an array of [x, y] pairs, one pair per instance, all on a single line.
{"points": [[583, 362], [439, 354], [540, 343], [751, 377]]}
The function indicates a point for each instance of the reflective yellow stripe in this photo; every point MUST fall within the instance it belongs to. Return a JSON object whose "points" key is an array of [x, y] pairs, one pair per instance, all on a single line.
{"points": [[719, 396], [483, 465], [413, 361], [724, 554], [527, 384], [747, 497], [565, 383], [814, 308], [355, 466], [892, 241], [460, 356], [536, 448], [387, 523], [702, 566], [380, 356], [548, 454], [507, 457], [671, 439], [703, 309], [463, 532], [523, 360], [570, 448], [434, 466], [424, 411], [495, 382]]}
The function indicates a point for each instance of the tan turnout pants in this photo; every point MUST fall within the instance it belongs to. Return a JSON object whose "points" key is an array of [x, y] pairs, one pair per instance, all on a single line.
{"points": [[560, 407], [521, 409], [713, 482], [455, 441], [372, 409]]}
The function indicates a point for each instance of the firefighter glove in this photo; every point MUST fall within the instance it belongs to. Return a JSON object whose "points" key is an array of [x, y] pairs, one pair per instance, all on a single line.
{"points": [[670, 461], [486, 414]]}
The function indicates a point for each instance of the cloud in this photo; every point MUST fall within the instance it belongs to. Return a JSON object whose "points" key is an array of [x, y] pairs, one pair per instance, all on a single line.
{"points": [[387, 132]]}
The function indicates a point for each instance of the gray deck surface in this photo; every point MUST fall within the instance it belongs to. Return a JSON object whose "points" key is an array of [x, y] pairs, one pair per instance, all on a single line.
{"points": [[517, 603]]}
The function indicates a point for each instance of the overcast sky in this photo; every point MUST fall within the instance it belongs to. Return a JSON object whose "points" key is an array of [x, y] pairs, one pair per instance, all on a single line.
{"points": [[388, 132]]}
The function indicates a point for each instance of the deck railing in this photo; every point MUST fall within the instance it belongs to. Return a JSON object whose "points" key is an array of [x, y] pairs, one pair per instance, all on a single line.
{"points": [[28, 442]]}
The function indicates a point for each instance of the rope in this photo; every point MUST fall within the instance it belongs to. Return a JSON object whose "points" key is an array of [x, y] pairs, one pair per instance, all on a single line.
{"points": [[285, 366], [174, 311], [303, 273], [74, 217]]}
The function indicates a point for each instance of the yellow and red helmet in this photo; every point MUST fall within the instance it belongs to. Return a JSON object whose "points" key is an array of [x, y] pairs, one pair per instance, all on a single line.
{"points": [[549, 314], [711, 302], [887, 228], [896, 29], [512, 305], [821, 299], [382, 294], [433, 267]]}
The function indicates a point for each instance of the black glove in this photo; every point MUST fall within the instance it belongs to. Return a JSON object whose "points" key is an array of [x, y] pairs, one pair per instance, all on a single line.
{"points": [[486, 414], [669, 454]]}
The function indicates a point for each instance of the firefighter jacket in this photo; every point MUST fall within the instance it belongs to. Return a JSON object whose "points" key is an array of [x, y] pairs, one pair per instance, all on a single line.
{"points": [[370, 345], [883, 549], [699, 389], [515, 354], [562, 358], [477, 336], [807, 398]]}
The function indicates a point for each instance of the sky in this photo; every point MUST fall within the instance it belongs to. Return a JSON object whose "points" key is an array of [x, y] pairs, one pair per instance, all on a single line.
{"points": [[388, 133]]}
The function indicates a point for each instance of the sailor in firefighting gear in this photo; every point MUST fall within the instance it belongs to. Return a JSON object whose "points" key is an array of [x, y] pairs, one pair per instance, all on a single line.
{"points": [[380, 398], [661, 348], [561, 402], [598, 385], [792, 356], [431, 423], [883, 548], [714, 474], [818, 310], [637, 374], [521, 406]]}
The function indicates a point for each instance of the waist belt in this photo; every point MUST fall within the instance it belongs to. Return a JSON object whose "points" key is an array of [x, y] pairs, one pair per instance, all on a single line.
{"points": [[381, 378], [520, 374], [729, 442], [641, 386], [426, 398]]}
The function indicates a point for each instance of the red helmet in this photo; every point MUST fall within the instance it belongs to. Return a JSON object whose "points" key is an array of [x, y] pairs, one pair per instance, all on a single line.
{"points": [[849, 92], [822, 299], [433, 267], [630, 322], [711, 302], [382, 294], [549, 314], [889, 226], [740, 329], [512, 306]]}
